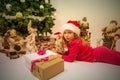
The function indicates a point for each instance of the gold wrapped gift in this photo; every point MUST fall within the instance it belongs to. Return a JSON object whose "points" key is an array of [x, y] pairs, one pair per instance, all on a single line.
{"points": [[46, 69]]}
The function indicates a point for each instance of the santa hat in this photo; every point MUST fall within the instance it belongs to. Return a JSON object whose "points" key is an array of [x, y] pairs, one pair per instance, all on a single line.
{"points": [[73, 26], [57, 33]]}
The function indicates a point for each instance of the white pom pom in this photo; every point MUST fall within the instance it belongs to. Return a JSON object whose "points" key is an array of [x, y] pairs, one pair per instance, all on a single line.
{"points": [[8, 6]]}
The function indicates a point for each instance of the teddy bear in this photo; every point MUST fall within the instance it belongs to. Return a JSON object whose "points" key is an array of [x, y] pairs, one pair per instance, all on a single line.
{"points": [[11, 44]]}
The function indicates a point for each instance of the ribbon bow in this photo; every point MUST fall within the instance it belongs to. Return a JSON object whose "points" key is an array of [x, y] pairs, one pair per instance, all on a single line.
{"points": [[38, 60], [41, 52]]}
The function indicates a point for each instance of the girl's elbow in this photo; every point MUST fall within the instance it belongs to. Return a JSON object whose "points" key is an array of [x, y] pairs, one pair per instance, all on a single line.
{"points": [[69, 60]]}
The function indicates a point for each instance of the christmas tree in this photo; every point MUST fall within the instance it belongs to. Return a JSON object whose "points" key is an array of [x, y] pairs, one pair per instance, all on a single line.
{"points": [[17, 13]]}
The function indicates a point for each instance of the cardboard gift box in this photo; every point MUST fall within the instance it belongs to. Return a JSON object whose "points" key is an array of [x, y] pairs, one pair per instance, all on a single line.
{"points": [[46, 69], [30, 57]]}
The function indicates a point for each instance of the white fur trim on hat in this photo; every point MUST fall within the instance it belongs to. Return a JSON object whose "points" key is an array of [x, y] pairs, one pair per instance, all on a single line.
{"points": [[71, 27]]}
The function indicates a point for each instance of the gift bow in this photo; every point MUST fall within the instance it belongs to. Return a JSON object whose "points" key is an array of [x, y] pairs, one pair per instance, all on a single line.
{"points": [[51, 57], [41, 52], [37, 60]]}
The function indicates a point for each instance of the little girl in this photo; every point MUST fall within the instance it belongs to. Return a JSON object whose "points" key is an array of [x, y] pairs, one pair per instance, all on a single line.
{"points": [[77, 50]]}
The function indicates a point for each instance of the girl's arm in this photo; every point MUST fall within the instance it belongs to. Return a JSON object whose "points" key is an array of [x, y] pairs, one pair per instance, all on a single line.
{"points": [[72, 52]]}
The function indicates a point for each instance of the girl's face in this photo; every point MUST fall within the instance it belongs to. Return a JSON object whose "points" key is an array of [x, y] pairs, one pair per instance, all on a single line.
{"points": [[68, 35]]}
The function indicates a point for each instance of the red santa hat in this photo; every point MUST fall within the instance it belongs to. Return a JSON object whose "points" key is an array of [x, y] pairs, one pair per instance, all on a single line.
{"points": [[73, 26], [57, 33]]}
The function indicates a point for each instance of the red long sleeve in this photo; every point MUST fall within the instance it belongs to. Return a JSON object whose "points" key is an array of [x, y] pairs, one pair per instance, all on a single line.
{"points": [[71, 54], [78, 51]]}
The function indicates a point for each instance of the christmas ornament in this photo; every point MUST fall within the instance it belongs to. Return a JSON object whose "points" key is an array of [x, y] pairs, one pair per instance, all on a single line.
{"points": [[19, 15], [22, 1], [8, 7]]}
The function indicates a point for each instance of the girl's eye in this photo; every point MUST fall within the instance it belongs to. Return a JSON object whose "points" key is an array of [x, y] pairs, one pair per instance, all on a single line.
{"points": [[64, 32], [69, 32]]}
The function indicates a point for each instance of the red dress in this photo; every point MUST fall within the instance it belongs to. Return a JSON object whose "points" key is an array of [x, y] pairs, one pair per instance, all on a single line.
{"points": [[83, 52]]}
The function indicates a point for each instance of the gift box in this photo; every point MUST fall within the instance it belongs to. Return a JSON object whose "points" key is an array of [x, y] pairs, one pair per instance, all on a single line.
{"points": [[30, 57], [46, 69]]}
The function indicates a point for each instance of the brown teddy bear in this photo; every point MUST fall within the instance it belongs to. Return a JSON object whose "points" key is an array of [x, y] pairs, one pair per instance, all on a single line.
{"points": [[11, 43]]}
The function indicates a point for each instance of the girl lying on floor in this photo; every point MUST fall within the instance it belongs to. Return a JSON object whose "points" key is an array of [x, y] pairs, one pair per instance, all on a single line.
{"points": [[77, 50]]}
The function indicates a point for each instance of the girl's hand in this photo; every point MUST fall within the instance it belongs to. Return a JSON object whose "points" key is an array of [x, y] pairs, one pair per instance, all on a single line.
{"points": [[59, 55], [54, 50]]}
